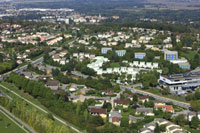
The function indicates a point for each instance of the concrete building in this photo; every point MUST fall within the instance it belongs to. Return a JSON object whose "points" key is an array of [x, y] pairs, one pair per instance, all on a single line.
{"points": [[140, 55], [170, 55], [180, 82], [184, 65], [105, 50], [120, 52]]}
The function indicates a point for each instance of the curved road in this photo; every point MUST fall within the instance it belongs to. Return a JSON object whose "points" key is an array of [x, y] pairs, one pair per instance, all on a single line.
{"points": [[164, 99], [55, 117]]}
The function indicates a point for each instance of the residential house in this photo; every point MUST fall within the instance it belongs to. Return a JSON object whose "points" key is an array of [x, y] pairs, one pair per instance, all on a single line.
{"points": [[107, 92], [165, 108], [170, 127], [144, 111], [27, 75], [53, 84], [124, 102], [148, 128], [143, 98], [56, 58], [98, 111], [115, 117], [133, 119]]}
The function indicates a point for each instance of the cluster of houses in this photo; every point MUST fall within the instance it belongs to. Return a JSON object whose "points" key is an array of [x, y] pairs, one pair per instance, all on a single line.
{"points": [[81, 56], [170, 127], [60, 57], [115, 115], [132, 70], [55, 41]]}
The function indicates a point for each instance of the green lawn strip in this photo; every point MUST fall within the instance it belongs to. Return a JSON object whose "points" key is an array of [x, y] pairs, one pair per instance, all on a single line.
{"points": [[114, 65], [189, 55], [12, 128], [34, 101], [16, 120]]}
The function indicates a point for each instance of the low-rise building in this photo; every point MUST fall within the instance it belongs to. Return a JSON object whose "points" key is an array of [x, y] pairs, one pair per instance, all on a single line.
{"points": [[165, 108], [125, 103], [98, 111], [53, 84], [115, 117], [144, 111]]}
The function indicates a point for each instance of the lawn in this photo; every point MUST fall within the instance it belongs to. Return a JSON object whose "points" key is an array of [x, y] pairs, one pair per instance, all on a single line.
{"points": [[114, 65], [188, 55], [8, 126]]}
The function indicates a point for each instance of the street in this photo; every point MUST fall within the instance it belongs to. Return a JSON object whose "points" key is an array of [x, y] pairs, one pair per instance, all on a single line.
{"points": [[164, 99]]}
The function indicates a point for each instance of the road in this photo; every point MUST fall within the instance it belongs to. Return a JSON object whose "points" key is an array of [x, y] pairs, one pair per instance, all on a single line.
{"points": [[164, 99], [19, 70], [36, 106], [4, 111]]}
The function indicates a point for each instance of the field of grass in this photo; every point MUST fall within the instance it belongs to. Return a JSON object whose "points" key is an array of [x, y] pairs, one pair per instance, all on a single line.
{"points": [[8, 126], [114, 65], [188, 55]]}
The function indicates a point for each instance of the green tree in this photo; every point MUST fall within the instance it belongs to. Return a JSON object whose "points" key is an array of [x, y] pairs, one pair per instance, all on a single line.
{"points": [[86, 114], [180, 120], [195, 105], [157, 128], [108, 106], [124, 122], [194, 122]]}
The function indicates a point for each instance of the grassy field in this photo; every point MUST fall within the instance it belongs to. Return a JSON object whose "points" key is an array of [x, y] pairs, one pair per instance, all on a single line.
{"points": [[8, 126], [114, 65], [188, 55]]}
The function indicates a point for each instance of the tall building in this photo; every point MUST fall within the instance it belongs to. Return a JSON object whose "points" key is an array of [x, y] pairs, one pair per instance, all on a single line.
{"points": [[105, 50], [170, 55], [120, 52], [140, 55], [185, 66]]}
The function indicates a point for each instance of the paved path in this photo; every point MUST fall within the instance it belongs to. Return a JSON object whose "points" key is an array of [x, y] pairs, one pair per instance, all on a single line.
{"points": [[55, 117], [3, 110], [164, 99]]}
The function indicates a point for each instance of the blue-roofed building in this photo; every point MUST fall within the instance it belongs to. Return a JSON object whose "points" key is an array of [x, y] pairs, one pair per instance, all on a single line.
{"points": [[105, 50], [170, 55], [140, 55], [185, 66], [120, 52]]}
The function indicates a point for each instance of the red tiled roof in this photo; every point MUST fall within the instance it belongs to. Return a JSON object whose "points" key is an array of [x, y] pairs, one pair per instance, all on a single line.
{"points": [[116, 119], [168, 108], [126, 101], [98, 111]]}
